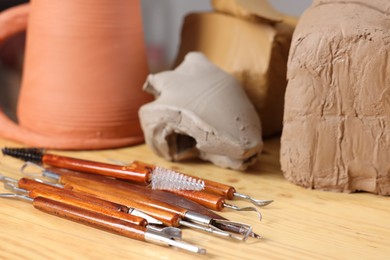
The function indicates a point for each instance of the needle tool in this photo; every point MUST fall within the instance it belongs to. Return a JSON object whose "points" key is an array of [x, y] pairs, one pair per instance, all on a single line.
{"points": [[103, 222]]}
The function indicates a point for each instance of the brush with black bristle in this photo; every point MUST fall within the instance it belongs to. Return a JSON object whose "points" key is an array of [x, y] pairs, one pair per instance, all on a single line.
{"points": [[25, 154], [158, 177]]}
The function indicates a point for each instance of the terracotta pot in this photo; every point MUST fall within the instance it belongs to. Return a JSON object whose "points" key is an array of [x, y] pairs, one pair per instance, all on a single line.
{"points": [[83, 72]]}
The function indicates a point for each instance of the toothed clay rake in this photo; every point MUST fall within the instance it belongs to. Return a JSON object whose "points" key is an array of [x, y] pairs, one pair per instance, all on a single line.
{"points": [[136, 171]]}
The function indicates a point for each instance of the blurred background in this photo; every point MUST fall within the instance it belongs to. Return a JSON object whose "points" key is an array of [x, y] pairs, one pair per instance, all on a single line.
{"points": [[162, 24], [163, 18]]}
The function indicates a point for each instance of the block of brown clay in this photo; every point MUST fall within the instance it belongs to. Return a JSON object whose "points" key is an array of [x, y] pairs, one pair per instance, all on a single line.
{"points": [[201, 111], [336, 132], [255, 53]]}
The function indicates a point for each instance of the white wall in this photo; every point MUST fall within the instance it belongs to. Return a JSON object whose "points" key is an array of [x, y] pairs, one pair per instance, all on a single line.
{"points": [[162, 23], [163, 19]]}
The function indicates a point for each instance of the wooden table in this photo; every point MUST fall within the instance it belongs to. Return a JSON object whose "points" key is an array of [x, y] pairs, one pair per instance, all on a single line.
{"points": [[300, 224]]}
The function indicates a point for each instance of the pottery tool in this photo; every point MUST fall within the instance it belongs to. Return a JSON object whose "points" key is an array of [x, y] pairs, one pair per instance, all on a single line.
{"points": [[171, 215], [211, 201], [136, 171], [227, 191], [103, 222], [33, 189], [206, 199], [29, 169]]}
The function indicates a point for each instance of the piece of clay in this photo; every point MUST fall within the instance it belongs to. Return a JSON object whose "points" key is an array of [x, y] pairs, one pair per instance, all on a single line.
{"points": [[336, 132], [84, 67], [254, 52], [201, 111]]}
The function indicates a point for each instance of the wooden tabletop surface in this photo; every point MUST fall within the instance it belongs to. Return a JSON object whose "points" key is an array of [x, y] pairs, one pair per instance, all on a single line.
{"points": [[300, 224]]}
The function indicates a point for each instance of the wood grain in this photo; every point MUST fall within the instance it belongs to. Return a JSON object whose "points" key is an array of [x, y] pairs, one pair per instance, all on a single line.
{"points": [[299, 224]]}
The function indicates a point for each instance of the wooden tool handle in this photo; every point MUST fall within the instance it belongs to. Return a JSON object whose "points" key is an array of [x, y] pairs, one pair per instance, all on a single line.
{"points": [[211, 186], [90, 218], [204, 198], [219, 188], [130, 172], [58, 193], [164, 196], [166, 213], [112, 209]]}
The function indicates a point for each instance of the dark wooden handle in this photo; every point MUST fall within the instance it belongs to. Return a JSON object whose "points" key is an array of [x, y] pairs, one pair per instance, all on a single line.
{"points": [[168, 214], [112, 209], [131, 172], [211, 201], [90, 218]]}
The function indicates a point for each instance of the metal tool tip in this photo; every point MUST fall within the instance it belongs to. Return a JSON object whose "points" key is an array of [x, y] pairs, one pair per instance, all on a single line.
{"points": [[264, 203], [202, 251], [254, 235]]}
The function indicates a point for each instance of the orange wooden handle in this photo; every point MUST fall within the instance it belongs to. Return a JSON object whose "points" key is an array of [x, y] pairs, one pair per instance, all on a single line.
{"points": [[112, 209], [164, 196], [204, 198], [130, 172], [211, 186], [164, 212], [90, 218], [219, 188]]}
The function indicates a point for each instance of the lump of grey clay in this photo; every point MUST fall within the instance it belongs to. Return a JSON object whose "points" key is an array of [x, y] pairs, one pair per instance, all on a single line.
{"points": [[201, 111], [336, 132]]}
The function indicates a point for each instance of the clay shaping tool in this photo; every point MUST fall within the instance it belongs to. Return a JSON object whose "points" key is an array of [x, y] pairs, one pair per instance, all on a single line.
{"points": [[206, 199], [158, 177], [211, 201], [227, 191], [164, 196], [103, 222], [171, 215], [33, 189], [137, 172], [161, 181], [29, 169]]}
